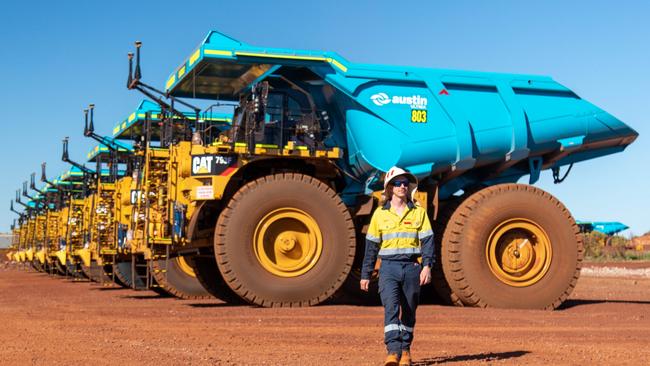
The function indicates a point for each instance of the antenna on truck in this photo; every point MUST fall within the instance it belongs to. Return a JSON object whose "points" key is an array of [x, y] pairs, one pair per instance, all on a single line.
{"points": [[32, 183], [134, 81], [65, 157], [25, 191], [12, 209], [89, 130], [44, 176]]}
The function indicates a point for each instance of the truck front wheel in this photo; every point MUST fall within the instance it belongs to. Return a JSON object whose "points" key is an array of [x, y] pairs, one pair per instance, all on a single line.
{"points": [[285, 240], [511, 246]]}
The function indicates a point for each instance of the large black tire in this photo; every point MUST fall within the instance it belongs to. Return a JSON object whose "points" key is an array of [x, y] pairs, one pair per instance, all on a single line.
{"points": [[74, 270], [438, 280], [110, 275], [38, 266], [124, 274], [350, 292], [205, 268], [98, 274], [179, 279], [85, 270], [234, 240], [464, 250], [60, 268]]}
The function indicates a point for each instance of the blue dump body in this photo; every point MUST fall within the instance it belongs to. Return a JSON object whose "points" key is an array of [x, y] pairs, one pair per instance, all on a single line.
{"points": [[133, 125], [75, 175], [462, 127], [102, 149], [607, 228]]}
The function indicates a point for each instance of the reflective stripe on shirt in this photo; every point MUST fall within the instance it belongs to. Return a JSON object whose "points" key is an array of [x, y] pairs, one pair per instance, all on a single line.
{"points": [[373, 238], [399, 235], [425, 234], [393, 251]]}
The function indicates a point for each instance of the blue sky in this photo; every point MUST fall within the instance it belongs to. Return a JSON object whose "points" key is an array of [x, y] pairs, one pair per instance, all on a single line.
{"points": [[57, 57]]}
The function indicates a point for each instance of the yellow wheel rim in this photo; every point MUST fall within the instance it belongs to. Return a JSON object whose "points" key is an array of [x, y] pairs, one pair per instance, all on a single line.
{"points": [[287, 242], [519, 252], [184, 266]]}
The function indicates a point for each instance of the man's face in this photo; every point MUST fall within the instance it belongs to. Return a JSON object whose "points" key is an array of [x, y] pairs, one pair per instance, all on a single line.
{"points": [[400, 187]]}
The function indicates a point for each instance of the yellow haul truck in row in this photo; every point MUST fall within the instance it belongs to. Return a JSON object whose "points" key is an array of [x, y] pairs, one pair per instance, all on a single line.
{"points": [[143, 205]]}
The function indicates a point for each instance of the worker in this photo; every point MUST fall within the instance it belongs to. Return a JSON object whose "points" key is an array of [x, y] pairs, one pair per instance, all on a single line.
{"points": [[400, 233]]}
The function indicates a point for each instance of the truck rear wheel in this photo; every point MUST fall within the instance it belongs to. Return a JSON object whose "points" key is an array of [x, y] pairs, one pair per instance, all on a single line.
{"points": [[177, 277], [124, 273], [511, 246], [38, 266], [60, 269], [97, 273], [285, 240], [74, 269], [210, 278]]}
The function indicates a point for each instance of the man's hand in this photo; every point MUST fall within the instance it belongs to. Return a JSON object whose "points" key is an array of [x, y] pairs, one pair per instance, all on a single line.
{"points": [[364, 285], [425, 275]]}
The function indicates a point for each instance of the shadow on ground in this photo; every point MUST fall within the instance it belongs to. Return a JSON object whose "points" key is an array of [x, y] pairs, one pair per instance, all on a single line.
{"points": [[107, 288], [487, 357], [147, 297], [568, 304], [217, 305]]}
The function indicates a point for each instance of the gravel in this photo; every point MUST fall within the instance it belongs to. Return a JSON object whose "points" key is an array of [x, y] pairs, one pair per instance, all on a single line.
{"points": [[615, 272]]}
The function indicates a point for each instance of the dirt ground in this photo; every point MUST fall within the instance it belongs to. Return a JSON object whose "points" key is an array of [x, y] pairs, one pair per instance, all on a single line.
{"points": [[53, 321]]}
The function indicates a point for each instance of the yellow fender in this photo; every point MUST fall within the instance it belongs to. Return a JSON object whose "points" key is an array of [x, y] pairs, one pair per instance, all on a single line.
{"points": [[10, 255], [84, 254], [22, 255], [40, 255], [30, 254], [61, 255]]}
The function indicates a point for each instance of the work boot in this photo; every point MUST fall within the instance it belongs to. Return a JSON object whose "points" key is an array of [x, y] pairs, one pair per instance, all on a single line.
{"points": [[405, 360], [391, 359]]}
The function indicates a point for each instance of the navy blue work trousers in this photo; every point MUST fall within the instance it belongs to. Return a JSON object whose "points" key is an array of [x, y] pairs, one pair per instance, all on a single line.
{"points": [[399, 289]]}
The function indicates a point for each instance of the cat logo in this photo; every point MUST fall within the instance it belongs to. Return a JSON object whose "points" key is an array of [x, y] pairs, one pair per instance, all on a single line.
{"points": [[210, 164]]}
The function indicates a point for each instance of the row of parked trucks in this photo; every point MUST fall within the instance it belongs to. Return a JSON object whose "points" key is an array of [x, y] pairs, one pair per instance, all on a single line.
{"points": [[264, 197]]}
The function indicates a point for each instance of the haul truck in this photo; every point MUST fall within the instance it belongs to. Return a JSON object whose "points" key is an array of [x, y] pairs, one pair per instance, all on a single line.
{"points": [[77, 220], [113, 158], [48, 202], [69, 203], [154, 198], [104, 249], [48, 254], [19, 242], [113, 210], [26, 245], [15, 238], [92, 212], [274, 208]]}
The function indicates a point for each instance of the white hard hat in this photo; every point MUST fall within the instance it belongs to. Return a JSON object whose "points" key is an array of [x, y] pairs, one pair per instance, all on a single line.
{"points": [[396, 172]]}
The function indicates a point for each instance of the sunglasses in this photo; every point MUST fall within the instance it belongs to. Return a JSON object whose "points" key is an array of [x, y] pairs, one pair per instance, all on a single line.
{"points": [[400, 183]]}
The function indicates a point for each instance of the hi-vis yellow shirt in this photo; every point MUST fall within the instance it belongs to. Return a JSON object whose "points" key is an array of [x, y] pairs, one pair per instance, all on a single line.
{"points": [[398, 237]]}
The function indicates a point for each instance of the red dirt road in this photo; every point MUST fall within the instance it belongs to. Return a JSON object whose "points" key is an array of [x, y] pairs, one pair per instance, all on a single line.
{"points": [[53, 321]]}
